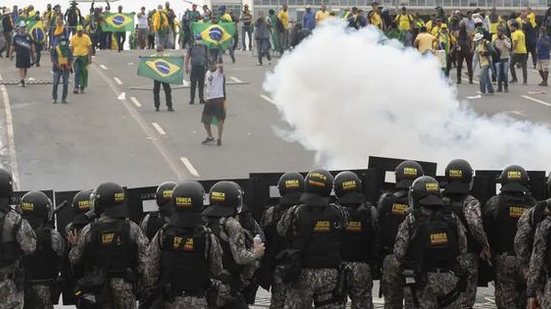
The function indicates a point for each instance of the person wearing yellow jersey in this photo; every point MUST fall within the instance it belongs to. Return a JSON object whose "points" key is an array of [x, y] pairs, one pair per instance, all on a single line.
{"points": [[61, 60], [374, 16], [404, 20], [520, 55], [321, 15], [436, 27], [424, 42], [446, 43], [81, 48], [493, 21], [160, 27], [283, 17], [531, 16], [428, 25]]}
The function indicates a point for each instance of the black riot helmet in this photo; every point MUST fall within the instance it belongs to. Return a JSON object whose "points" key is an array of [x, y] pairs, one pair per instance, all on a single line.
{"points": [[549, 185], [6, 187], [82, 201], [425, 191], [459, 176], [163, 197], [317, 188], [348, 188], [110, 199], [187, 204], [36, 207], [226, 200], [406, 172], [514, 178], [291, 187]]}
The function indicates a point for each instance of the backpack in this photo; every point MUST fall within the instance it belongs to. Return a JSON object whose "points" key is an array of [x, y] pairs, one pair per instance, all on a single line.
{"points": [[492, 51]]}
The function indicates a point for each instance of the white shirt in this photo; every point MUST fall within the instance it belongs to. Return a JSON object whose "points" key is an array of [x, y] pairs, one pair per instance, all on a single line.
{"points": [[215, 84], [142, 21]]}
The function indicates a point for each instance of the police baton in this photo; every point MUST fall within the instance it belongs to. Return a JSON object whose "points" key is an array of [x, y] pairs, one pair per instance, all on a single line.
{"points": [[61, 206]]}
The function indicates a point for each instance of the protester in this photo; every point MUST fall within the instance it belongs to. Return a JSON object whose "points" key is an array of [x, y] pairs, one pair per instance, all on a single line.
{"points": [[531, 34], [424, 42], [8, 27], [161, 27], [246, 29], [543, 50], [321, 15], [520, 55], [464, 48], [120, 35], [446, 43], [81, 48], [374, 16], [214, 111], [262, 37], [197, 56], [309, 20], [275, 29], [283, 26], [483, 55], [61, 60], [157, 87], [142, 28], [502, 44], [22, 45]]}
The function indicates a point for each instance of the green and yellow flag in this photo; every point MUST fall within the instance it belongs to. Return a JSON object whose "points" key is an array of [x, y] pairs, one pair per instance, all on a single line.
{"points": [[165, 69], [119, 22], [36, 30], [214, 35]]}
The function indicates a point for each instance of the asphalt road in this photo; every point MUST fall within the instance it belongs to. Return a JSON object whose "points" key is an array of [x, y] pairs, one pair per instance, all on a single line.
{"points": [[112, 133]]}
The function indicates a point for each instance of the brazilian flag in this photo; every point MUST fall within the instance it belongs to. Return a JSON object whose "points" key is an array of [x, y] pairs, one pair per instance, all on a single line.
{"points": [[217, 35], [36, 30], [119, 22], [165, 69]]}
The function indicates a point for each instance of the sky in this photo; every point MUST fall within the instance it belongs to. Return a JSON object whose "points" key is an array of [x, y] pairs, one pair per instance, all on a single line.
{"points": [[129, 5]]}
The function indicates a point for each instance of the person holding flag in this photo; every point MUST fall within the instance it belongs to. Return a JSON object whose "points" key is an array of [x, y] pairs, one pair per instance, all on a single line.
{"points": [[157, 87], [38, 35], [81, 48]]}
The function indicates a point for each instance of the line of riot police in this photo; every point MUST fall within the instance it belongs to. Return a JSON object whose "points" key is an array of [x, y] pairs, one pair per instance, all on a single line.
{"points": [[423, 242]]}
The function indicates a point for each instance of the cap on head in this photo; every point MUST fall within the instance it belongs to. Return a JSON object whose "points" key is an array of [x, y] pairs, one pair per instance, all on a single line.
{"points": [[37, 205], [109, 198], [22, 24], [226, 200], [459, 175], [478, 37], [406, 172], [163, 194], [514, 178], [348, 188], [82, 201], [80, 28], [291, 187], [425, 191]]}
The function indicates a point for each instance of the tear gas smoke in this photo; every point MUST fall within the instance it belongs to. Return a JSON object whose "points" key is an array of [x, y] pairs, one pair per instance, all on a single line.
{"points": [[348, 95]]}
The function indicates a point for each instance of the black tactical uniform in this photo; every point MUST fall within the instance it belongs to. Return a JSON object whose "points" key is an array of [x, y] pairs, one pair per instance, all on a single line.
{"points": [[154, 221], [43, 265], [358, 248]]}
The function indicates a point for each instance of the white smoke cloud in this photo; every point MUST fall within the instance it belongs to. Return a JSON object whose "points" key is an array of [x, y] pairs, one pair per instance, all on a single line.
{"points": [[347, 96]]}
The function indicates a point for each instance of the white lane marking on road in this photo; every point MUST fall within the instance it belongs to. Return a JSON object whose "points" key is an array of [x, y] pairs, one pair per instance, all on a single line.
{"points": [[267, 98], [122, 96], [536, 100], [169, 158], [117, 80], [135, 101], [11, 136], [103, 67], [518, 113], [189, 166], [158, 128], [235, 79]]}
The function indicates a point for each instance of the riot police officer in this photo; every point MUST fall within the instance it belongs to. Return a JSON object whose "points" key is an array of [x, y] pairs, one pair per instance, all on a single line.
{"points": [[154, 221], [501, 214], [358, 242], [239, 260], [539, 275], [16, 240], [459, 177], [430, 247], [43, 265], [113, 252], [82, 216], [392, 208], [291, 187], [184, 253], [315, 228]]}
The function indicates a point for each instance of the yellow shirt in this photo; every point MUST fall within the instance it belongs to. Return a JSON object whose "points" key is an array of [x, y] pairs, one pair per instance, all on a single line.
{"points": [[532, 18], [404, 22], [284, 17], [81, 45], [428, 25], [518, 40], [425, 42], [61, 61], [480, 49], [376, 20], [226, 17], [435, 30], [321, 16]]}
